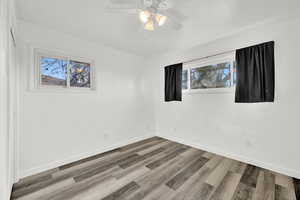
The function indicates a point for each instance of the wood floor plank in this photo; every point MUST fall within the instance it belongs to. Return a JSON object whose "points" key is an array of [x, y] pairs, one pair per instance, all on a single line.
{"points": [[159, 145], [192, 185], [165, 159], [265, 187], [297, 187], [25, 182], [153, 140], [87, 186], [226, 189], [123, 192], [162, 192], [250, 176], [69, 165], [143, 163], [186, 173], [214, 161], [243, 192], [36, 187], [39, 194], [109, 189], [238, 167], [208, 155], [137, 166], [291, 189], [269, 185], [172, 147], [219, 173], [212, 182], [196, 187], [101, 168], [134, 160], [39, 179], [204, 192], [160, 175], [281, 193], [281, 180], [80, 188], [286, 182], [87, 166], [157, 169], [80, 168], [259, 192]]}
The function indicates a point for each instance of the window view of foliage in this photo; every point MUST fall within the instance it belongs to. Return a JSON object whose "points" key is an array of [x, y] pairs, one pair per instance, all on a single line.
{"points": [[185, 79], [212, 76], [53, 71], [234, 73], [79, 74]]}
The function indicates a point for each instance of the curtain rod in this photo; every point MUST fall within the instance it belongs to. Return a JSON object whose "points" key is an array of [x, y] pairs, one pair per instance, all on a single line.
{"points": [[196, 59]]}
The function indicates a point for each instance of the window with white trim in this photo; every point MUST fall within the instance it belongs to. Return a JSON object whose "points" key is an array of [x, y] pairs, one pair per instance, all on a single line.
{"points": [[215, 74], [56, 71]]}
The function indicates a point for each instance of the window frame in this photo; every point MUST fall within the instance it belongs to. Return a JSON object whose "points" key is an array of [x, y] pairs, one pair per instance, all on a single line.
{"points": [[39, 53], [230, 57]]}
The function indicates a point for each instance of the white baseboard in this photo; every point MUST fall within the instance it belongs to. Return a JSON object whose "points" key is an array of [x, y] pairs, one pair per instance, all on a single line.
{"points": [[74, 158], [262, 164]]}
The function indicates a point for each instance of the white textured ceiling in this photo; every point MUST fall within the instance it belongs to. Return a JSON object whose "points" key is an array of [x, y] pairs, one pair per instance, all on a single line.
{"points": [[205, 21]]}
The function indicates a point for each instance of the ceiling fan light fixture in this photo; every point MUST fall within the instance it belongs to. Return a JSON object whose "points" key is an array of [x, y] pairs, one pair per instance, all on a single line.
{"points": [[149, 26], [161, 19], [144, 16]]}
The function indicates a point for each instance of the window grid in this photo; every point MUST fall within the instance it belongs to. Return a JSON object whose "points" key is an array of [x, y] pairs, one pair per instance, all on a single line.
{"points": [[208, 62], [40, 54]]}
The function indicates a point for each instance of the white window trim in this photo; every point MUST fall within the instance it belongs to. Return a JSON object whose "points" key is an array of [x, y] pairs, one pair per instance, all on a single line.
{"points": [[36, 85], [209, 61]]}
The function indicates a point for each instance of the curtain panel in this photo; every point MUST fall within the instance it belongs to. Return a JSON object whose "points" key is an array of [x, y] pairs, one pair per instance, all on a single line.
{"points": [[255, 74], [173, 79]]}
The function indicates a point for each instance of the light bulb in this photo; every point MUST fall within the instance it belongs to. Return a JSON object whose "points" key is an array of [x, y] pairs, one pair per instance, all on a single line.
{"points": [[144, 16], [149, 25], [161, 19]]}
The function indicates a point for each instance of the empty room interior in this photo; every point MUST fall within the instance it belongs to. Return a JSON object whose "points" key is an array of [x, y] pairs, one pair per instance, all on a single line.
{"points": [[149, 100]]}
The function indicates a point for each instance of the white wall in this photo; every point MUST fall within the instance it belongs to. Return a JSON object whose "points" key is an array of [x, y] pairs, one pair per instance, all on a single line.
{"points": [[56, 128], [3, 103], [7, 91], [265, 134]]}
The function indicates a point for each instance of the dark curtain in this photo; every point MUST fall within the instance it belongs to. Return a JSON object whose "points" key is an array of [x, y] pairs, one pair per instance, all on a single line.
{"points": [[173, 79], [255, 74]]}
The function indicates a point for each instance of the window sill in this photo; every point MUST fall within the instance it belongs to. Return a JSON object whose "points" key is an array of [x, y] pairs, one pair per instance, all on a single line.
{"points": [[210, 91], [63, 90]]}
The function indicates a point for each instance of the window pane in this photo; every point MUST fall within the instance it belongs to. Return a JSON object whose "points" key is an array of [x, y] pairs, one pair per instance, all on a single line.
{"points": [[80, 74], [185, 79], [234, 73], [212, 76], [53, 71]]}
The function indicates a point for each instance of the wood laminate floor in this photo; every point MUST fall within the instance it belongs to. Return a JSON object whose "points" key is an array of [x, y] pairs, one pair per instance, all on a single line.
{"points": [[157, 169]]}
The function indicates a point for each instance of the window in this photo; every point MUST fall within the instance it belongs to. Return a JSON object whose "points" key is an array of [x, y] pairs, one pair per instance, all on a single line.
{"points": [[210, 75], [54, 70], [185, 79], [80, 74]]}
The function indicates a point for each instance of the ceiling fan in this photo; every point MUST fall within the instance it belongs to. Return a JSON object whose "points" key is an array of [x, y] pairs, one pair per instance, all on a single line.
{"points": [[152, 13]]}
